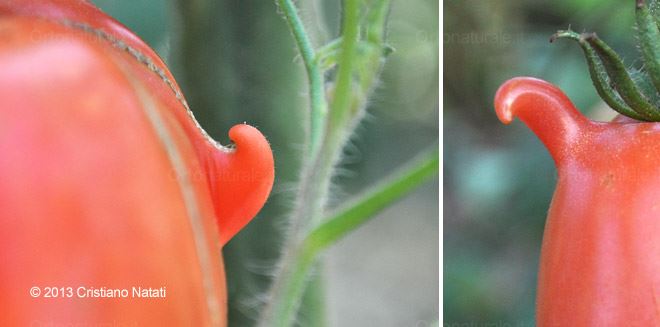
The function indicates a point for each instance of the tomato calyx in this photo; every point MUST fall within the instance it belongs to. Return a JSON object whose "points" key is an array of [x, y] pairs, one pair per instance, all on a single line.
{"points": [[632, 92]]}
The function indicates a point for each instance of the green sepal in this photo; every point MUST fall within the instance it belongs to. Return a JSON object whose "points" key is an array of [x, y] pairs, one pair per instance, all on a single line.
{"points": [[599, 76], [619, 76], [649, 41], [645, 85]]}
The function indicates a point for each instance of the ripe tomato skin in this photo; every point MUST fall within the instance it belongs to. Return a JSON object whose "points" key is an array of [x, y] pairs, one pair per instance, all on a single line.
{"points": [[105, 178], [599, 259]]}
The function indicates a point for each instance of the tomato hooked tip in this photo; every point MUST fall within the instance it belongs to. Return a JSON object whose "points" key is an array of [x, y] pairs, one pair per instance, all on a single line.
{"points": [[508, 93], [240, 180], [544, 108]]}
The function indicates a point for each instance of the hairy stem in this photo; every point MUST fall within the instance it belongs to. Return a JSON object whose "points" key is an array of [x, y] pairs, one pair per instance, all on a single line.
{"points": [[289, 283], [314, 74], [361, 210], [343, 222], [342, 98], [347, 107]]}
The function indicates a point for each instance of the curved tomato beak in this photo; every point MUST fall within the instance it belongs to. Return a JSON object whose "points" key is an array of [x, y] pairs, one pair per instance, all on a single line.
{"points": [[240, 179]]}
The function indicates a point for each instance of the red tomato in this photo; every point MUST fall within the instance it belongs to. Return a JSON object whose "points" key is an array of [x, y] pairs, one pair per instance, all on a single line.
{"points": [[600, 256], [106, 180]]}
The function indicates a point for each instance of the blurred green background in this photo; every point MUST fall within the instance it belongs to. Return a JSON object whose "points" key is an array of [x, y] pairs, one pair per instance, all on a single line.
{"points": [[236, 62], [498, 180]]}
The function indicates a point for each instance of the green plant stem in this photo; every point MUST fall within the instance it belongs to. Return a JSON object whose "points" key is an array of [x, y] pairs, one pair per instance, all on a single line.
{"points": [[289, 285], [365, 207], [342, 98], [326, 56], [347, 106], [318, 103], [375, 34], [314, 183], [343, 222], [313, 307], [285, 309]]}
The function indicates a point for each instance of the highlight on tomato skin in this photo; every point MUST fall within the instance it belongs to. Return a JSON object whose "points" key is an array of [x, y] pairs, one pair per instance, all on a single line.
{"points": [[89, 137]]}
